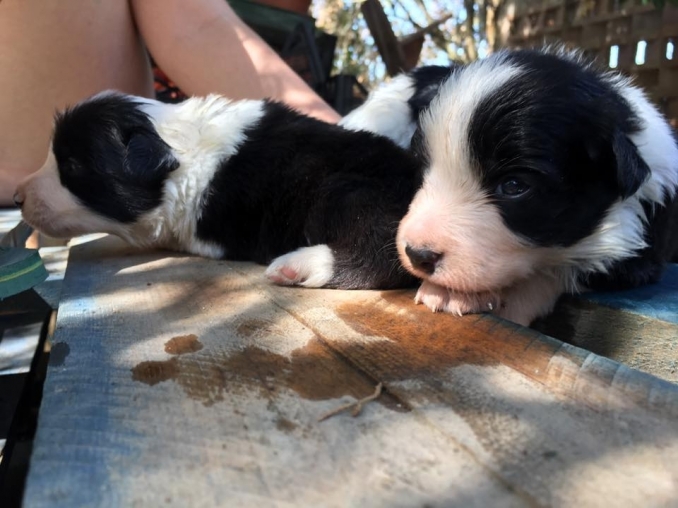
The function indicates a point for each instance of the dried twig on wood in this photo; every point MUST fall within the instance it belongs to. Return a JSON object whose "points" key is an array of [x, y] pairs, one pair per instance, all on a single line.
{"points": [[356, 405]]}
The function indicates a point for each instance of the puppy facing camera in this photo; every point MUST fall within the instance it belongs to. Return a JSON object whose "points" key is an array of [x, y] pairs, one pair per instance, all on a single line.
{"points": [[542, 175]]}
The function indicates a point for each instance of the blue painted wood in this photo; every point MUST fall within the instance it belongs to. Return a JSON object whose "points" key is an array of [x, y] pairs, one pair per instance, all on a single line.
{"points": [[503, 416], [656, 301]]}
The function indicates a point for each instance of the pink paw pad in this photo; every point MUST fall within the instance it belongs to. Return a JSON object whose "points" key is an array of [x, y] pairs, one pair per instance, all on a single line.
{"points": [[284, 276]]}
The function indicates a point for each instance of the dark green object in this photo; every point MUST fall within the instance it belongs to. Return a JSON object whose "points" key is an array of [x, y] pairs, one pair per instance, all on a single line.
{"points": [[20, 269], [659, 4], [272, 24]]}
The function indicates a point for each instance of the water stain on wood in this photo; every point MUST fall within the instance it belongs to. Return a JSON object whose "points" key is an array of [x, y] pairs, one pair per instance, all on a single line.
{"points": [[58, 353], [183, 344], [317, 372], [154, 372], [251, 327], [285, 425], [420, 346], [314, 372]]}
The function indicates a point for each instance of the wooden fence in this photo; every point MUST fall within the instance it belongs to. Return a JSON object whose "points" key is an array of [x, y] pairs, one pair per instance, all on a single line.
{"points": [[636, 39]]}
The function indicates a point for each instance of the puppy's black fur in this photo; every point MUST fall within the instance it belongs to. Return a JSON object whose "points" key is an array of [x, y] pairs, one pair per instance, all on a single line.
{"points": [[562, 132], [427, 80], [293, 182], [569, 145], [298, 182], [110, 156], [543, 174]]}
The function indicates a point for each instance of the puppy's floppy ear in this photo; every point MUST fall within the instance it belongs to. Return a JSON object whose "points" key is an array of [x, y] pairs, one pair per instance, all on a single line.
{"points": [[418, 146], [148, 158], [632, 170]]}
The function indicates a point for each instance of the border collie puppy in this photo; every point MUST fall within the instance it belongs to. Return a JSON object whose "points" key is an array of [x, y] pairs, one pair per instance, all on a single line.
{"points": [[240, 180], [543, 175], [393, 109]]}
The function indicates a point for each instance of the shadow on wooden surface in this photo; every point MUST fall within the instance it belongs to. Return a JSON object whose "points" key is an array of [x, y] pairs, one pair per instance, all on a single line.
{"points": [[638, 328], [189, 382]]}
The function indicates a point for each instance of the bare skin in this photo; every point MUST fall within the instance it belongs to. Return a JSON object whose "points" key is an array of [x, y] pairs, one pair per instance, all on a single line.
{"points": [[54, 53]]}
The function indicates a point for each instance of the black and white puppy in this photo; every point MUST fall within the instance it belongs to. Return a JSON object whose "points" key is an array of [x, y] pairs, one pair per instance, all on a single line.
{"points": [[241, 180], [544, 175], [393, 109]]}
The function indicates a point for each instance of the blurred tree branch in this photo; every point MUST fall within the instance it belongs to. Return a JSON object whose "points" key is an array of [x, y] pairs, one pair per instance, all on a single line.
{"points": [[453, 31]]}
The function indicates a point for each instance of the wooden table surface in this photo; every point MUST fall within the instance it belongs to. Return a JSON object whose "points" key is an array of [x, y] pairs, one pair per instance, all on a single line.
{"points": [[179, 381]]}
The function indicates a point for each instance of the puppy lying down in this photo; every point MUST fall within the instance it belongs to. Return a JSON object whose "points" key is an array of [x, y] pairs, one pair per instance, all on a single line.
{"points": [[543, 175], [245, 180]]}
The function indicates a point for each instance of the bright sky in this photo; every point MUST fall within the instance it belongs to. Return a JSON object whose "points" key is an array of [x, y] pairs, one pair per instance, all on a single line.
{"points": [[402, 26]]}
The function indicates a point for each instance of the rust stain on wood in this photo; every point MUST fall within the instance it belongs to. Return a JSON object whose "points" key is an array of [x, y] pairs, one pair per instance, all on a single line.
{"points": [[183, 344], [318, 372], [425, 345], [444, 340], [420, 346]]}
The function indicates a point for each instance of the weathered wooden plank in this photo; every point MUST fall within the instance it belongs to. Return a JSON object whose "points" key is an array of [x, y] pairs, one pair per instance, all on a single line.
{"points": [[640, 342], [55, 259], [638, 328], [195, 383], [655, 301], [531, 436]]}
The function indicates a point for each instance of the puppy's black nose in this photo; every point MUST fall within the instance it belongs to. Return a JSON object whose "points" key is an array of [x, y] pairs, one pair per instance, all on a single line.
{"points": [[423, 259], [18, 199]]}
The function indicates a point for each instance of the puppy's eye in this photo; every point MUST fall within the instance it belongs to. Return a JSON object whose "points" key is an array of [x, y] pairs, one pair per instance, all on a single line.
{"points": [[512, 187]]}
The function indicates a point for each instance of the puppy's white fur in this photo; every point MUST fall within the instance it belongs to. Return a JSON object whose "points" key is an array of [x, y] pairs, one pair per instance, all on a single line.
{"points": [[48, 204], [310, 267], [451, 213], [202, 132], [483, 261], [386, 112]]}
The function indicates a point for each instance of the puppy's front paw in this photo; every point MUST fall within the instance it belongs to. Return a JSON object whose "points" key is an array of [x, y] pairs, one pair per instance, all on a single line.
{"points": [[434, 297], [311, 267], [441, 299]]}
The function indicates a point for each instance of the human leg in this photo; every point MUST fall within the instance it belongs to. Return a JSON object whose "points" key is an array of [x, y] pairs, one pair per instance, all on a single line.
{"points": [[204, 48], [54, 53]]}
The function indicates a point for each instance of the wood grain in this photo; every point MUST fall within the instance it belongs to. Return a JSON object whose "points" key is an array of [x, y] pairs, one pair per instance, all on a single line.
{"points": [[189, 382]]}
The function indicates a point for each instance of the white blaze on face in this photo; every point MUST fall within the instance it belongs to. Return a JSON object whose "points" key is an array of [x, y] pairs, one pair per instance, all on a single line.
{"points": [[451, 214], [50, 208]]}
